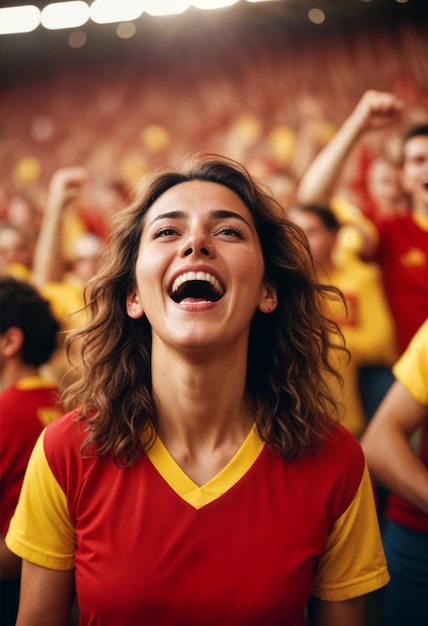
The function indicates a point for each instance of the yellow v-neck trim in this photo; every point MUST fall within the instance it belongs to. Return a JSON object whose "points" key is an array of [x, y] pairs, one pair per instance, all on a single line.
{"points": [[191, 493]]}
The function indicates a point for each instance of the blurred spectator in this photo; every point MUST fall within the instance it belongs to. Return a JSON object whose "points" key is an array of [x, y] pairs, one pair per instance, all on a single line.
{"points": [[399, 242], [60, 259], [16, 250], [283, 186], [23, 210], [396, 447], [28, 402], [100, 201], [75, 224], [88, 249], [51, 251], [63, 266], [384, 193], [367, 323]]}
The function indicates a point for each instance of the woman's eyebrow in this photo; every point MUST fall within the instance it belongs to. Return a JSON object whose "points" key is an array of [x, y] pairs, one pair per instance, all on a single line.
{"points": [[217, 214], [169, 215], [227, 214]]}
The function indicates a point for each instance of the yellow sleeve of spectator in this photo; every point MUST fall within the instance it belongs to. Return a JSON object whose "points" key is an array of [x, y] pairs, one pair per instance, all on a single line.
{"points": [[412, 367]]}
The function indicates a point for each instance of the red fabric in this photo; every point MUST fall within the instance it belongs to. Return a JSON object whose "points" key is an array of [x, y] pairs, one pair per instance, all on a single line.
{"points": [[19, 430], [138, 539], [403, 256]]}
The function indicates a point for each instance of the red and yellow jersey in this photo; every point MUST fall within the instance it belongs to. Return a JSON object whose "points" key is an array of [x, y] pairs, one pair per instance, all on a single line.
{"points": [[25, 409], [412, 371], [248, 547], [401, 243], [403, 255]]}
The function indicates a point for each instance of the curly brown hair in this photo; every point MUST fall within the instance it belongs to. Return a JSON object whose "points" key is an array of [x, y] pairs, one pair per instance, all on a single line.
{"points": [[289, 357]]}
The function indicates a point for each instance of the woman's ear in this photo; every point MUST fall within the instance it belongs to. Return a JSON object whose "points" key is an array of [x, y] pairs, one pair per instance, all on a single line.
{"points": [[133, 305], [269, 299]]}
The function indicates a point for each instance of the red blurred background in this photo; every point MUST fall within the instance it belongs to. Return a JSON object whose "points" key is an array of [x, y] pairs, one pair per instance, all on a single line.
{"points": [[244, 81]]}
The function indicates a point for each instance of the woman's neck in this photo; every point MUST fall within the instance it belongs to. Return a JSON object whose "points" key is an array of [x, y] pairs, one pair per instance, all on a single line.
{"points": [[201, 411]]}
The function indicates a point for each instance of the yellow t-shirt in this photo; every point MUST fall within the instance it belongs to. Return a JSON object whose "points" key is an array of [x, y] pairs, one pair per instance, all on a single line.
{"points": [[412, 367], [368, 329]]}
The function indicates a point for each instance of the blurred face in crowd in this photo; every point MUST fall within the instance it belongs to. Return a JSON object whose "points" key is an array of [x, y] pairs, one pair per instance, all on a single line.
{"points": [[24, 213], [15, 247], [88, 251], [384, 187], [284, 189], [321, 239], [414, 174]]}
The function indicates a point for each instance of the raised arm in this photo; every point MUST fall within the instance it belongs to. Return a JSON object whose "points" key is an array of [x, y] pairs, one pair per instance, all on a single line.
{"points": [[48, 264], [376, 109], [386, 444]]}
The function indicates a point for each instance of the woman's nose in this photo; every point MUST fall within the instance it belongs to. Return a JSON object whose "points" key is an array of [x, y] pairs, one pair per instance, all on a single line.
{"points": [[197, 244], [190, 251]]}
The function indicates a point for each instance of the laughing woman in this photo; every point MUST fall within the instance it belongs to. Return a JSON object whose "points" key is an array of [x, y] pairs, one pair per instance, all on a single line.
{"points": [[204, 478]]}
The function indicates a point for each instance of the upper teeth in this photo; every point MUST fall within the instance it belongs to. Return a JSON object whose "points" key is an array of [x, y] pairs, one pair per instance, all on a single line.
{"points": [[188, 276]]}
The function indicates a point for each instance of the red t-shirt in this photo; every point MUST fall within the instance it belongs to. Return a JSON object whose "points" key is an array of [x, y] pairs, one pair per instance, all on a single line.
{"points": [[403, 256], [248, 547], [25, 408]]}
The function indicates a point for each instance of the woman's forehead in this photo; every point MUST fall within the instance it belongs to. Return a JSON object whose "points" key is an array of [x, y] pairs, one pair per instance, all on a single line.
{"points": [[198, 196]]}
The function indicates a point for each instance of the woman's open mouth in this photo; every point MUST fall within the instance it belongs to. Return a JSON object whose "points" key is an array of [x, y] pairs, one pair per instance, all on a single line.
{"points": [[196, 286]]}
